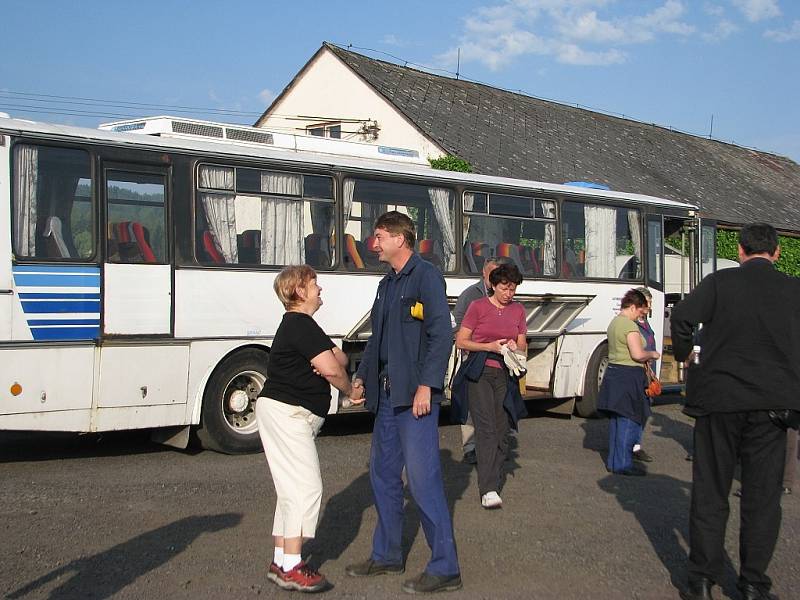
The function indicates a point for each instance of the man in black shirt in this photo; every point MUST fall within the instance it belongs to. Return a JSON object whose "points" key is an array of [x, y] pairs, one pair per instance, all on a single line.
{"points": [[748, 365]]}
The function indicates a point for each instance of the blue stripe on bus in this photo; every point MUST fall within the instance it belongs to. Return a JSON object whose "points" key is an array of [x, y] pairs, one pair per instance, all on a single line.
{"points": [[65, 333], [90, 306], [58, 296], [92, 281], [58, 269], [40, 322]]}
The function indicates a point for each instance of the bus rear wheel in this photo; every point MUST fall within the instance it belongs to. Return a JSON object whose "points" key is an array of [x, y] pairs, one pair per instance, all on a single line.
{"points": [[228, 417], [586, 406]]}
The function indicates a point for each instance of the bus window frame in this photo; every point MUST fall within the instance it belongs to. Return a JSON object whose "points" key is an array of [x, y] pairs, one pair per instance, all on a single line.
{"points": [[649, 281], [639, 208], [428, 182], [97, 254], [140, 168], [518, 194], [196, 189]]}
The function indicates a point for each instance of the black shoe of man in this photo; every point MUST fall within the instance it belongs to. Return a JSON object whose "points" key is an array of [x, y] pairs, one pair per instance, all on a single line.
{"points": [[642, 456], [753, 592], [470, 457], [371, 568], [699, 589], [428, 584]]}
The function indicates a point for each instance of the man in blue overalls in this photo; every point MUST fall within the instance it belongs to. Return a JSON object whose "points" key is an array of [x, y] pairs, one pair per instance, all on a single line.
{"points": [[402, 371]]}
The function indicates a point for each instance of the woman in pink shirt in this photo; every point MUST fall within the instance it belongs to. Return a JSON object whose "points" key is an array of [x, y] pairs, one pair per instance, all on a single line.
{"points": [[490, 323]]}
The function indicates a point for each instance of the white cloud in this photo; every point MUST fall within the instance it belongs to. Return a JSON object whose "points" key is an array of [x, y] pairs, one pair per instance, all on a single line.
{"points": [[391, 39], [758, 10], [715, 10], [785, 35], [574, 32], [723, 29], [266, 96]]}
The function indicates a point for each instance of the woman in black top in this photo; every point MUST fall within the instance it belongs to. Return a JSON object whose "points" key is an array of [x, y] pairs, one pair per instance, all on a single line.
{"points": [[291, 409]]}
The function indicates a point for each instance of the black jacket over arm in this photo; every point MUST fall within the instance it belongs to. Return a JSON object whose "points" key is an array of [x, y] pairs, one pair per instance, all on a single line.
{"points": [[750, 356]]}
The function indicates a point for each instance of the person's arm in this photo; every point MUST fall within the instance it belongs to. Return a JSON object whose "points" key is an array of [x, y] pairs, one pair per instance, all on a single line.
{"points": [[464, 342], [697, 307], [438, 330], [636, 348], [341, 357], [328, 366]]}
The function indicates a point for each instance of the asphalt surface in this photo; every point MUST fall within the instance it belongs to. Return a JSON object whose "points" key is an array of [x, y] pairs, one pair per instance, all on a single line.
{"points": [[116, 516]]}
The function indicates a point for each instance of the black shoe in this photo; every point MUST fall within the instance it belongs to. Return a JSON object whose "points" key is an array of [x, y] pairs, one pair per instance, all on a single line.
{"points": [[642, 456], [370, 568], [752, 592], [428, 584], [632, 472], [470, 457], [699, 589]]}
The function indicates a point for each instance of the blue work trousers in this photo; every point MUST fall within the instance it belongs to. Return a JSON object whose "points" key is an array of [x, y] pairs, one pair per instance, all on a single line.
{"points": [[399, 440], [623, 433]]}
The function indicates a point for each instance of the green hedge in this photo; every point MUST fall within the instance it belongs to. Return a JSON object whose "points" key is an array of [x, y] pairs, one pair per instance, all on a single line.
{"points": [[451, 163], [789, 262]]}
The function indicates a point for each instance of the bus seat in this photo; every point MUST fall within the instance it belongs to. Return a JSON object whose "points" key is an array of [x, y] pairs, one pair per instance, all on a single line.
{"points": [[510, 251], [352, 257], [427, 250], [211, 249], [53, 236], [133, 241], [249, 245], [316, 250], [528, 255], [480, 252]]}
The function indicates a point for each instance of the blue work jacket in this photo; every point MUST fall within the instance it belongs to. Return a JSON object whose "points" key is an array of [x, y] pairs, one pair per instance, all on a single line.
{"points": [[418, 350]]}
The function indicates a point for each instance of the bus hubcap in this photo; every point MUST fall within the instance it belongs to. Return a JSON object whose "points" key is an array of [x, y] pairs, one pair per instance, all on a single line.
{"points": [[240, 398]]}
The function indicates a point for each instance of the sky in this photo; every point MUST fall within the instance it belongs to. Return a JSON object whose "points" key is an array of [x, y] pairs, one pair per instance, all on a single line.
{"points": [[675, 63]]}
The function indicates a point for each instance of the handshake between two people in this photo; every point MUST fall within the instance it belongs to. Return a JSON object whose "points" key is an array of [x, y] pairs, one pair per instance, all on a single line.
{"points": [[356, 395]]}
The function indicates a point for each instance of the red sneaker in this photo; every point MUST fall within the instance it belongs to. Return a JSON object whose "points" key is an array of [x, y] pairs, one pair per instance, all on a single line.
{"points": [[302, 579], [274, 572]]}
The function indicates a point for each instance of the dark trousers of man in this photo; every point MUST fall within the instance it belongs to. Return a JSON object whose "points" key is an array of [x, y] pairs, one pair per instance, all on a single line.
{"points": [[491, 426], [401, 440], [720, 441]]}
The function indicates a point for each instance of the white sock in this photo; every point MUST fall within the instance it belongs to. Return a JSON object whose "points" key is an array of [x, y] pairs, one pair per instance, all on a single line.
{"points": [[637, 447], [290, 561], [278, 557]]}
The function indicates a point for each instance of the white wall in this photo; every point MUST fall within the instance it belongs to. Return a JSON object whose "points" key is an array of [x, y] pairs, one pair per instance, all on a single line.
{"points": [[329, 89]]}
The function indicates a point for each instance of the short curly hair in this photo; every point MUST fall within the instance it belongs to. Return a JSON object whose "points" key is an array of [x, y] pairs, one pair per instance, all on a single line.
{"points": [[288, 280]]}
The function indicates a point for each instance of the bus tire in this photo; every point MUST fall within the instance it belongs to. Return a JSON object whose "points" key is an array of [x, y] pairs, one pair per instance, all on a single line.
{"points": [[228, 415], [586, 405]]}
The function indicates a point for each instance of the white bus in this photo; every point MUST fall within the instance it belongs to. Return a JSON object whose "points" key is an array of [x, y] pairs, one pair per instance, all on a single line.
{"points": [[137, 261]]}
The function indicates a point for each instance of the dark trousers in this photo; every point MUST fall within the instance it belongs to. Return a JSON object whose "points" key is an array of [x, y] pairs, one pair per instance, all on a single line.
{"points": [[401, 440], [623, 433], [491, 426], [720, 441]]}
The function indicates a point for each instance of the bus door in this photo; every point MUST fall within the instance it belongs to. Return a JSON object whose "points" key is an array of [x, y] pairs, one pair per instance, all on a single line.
{"points": [[707, 249], [137, 277]]}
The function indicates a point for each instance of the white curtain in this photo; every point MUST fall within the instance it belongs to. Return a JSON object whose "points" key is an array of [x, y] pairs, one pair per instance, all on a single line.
{"points": [[469, 202], [636, 235], [348, 189], [440, 199], [601, 241], [221, 218], [282, 220], [25, 201], [282, 231], [216, 178], [549, 249]]}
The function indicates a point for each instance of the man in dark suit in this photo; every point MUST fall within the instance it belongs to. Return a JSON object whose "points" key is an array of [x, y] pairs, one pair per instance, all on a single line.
{"points": [[748, 364], [402, 371]]}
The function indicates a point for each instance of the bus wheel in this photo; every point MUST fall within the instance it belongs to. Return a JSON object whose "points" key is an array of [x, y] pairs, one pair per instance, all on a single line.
{"points": [[228, 417], [586, 406]]}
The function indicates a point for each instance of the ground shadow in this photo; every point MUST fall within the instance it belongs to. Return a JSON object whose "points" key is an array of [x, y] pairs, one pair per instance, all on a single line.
{"points": [[661, 425], [595, 437], [103, 575]]}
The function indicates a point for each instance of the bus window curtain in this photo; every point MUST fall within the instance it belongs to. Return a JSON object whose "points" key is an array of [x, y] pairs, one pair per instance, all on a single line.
{"points": [[469, 202], [25, 213], [216, 178], [440, 199], [348, 188], [282, 220], [601, 241], [221, 218], [635, 226], [549, 250]]}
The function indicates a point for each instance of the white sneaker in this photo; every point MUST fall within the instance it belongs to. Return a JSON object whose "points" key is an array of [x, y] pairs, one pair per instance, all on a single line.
{"points": [[491, 500]]}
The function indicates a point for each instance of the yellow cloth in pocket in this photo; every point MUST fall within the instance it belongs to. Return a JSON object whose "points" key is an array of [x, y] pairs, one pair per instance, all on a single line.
{"points": [[417, 311]]}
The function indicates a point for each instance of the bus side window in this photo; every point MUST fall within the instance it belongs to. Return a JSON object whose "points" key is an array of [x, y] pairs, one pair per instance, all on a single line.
{"points": [[53, 211]]}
